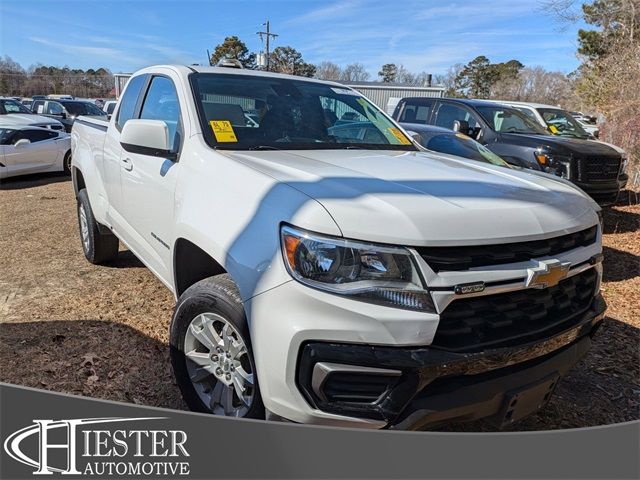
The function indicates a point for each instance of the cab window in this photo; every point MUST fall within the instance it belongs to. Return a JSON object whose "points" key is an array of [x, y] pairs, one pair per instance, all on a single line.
{"points": [[449, 113], [129, 100], [415, 114], [161, 103]]}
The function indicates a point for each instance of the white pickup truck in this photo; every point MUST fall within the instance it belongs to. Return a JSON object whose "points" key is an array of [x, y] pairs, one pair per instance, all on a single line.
{"points": [[329, 270]]}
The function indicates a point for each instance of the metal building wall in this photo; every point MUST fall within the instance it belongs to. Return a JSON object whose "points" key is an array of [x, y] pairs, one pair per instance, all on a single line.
{"points": [[381, 95]]}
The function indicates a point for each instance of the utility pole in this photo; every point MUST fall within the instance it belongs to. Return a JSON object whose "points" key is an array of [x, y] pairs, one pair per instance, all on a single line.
{"points": [[268, 35]]}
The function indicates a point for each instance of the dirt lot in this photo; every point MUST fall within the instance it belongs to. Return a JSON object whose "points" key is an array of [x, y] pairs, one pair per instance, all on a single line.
{"points": [[72, 327]]}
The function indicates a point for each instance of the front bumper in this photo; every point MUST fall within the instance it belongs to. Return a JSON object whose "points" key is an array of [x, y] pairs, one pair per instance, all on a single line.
{"points": [[416, 387], [604, 192]]}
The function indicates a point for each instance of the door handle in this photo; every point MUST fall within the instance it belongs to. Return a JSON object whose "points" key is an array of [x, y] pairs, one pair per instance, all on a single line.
{"points": [[127, 164]]}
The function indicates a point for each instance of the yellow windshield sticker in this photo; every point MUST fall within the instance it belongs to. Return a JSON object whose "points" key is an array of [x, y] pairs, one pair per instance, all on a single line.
{"points": [[553, 129], [462, 136], [223, 131], [400, 136]]}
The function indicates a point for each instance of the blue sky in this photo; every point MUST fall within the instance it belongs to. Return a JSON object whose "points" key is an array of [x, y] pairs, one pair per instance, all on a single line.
{"points": [[423, 35]]}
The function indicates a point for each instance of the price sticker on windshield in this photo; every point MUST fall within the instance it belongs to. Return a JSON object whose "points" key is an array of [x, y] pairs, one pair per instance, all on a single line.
{"points": [[553, 129], [223, 131], [400, 136]]}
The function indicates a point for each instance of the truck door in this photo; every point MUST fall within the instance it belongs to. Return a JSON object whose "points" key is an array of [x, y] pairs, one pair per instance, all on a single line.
{"points": [[148, 182], [112, 152]]}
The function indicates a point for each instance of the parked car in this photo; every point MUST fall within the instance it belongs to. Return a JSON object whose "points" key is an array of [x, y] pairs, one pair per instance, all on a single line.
{"points": [[444, 140], [588, 122], [13, 113], [53, 96], [109, 107], [26, 149], [332, 276], [555, 119], [595, 167], [26, 102], [66, 111]]}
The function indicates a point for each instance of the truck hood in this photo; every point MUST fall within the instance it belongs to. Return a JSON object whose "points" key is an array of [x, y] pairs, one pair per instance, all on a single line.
{"points": [[419, 198], [26, 119], [561, 145]]}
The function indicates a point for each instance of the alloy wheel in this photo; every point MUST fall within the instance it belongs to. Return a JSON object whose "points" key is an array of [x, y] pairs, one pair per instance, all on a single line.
{"points": [[219, 365], [84, 227]]}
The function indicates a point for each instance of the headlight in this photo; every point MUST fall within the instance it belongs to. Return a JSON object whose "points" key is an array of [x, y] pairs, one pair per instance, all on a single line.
{"points": [[555, 164], [378, 274]]}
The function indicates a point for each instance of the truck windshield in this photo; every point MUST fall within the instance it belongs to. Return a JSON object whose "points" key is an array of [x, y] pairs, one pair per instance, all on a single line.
{"points": [[562, 123], [510, 120], [247, 112]]}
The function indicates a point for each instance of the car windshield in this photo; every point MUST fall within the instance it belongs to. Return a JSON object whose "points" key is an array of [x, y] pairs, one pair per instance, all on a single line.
{"points": [[562, 123], [11, 106], [250, 112], [509, 120], [82, 108], [462, 146]]}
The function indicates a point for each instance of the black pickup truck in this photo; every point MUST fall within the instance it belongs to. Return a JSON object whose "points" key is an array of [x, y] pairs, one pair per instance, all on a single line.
{"points": [[595, 167]]}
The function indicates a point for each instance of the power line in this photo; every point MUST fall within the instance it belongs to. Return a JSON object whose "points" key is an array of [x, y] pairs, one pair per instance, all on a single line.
{"points": [[267, 34]]}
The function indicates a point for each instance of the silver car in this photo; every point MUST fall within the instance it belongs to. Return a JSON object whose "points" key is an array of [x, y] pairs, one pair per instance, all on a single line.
{"points": [[26, 149]]}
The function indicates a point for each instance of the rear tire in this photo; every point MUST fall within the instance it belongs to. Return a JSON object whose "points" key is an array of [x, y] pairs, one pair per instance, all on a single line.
{"points": [[67, 163], [211, 351], [97, 247]]}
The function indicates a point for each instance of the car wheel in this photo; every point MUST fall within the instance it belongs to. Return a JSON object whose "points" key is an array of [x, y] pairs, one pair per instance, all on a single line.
{"points": [[67, 163], [97, 247], [211, 351]]}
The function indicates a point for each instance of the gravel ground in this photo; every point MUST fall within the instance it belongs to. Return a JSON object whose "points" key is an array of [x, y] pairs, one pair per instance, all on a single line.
{"points": [[72, 327]]}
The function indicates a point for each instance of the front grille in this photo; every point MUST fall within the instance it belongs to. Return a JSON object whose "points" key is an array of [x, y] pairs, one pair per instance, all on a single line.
{"points": [[515, 318], [463, 258], [599, 169]]}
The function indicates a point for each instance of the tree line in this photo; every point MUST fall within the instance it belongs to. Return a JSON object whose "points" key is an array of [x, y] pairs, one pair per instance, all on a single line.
{"points": [[45, 80]]}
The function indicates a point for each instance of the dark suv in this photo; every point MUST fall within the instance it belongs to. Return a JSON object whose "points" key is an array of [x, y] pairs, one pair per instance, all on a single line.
{"points": [[595, 167], [66, 111]]}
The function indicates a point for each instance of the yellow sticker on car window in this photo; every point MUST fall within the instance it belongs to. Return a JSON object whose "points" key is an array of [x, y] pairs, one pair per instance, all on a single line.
{"points": [[553, 129], [400, 136], [223, 131]]}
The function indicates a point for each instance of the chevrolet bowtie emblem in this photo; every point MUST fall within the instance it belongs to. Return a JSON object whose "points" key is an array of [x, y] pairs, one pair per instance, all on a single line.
{"points": [[547, 274]]}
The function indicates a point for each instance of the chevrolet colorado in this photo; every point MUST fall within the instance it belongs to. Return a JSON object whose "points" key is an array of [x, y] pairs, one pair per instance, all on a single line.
{"points": [[328, 269]]}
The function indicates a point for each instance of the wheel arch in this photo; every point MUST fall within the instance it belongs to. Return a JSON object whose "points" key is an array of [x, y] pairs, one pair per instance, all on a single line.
{"points": [[78, 180], [192, 264]]}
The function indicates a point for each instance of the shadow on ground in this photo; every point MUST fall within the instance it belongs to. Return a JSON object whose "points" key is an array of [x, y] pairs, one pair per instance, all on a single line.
{"points": [[619, 265], [33, 180], [95, 358], [125, 259]]}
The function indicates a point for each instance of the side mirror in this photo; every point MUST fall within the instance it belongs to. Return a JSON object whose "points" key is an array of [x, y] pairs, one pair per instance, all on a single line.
{"points": [[461, 126], [62, 115], [415, 136], [22, 143], [147, 137]]}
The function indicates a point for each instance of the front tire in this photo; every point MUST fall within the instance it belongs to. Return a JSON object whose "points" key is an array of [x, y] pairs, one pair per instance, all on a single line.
{"points": [[211, 351], [98, 247]]}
